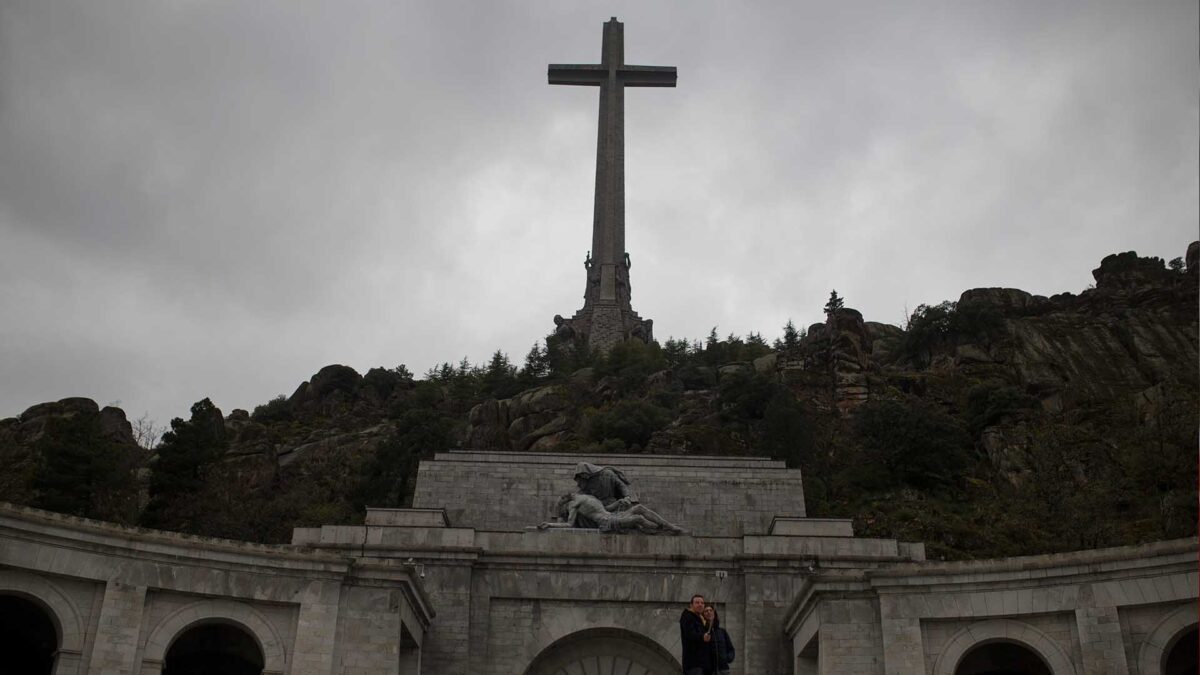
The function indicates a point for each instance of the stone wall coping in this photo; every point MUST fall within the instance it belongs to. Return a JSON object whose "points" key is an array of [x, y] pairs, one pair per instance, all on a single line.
{"points": [[799, 526], [618, 460], [579, 544], [407, 517], [141, 542], [1106, 560]]}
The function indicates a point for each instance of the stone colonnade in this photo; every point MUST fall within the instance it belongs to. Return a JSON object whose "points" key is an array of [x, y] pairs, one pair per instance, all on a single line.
{"points": [[1111, 612], [118, 597]]}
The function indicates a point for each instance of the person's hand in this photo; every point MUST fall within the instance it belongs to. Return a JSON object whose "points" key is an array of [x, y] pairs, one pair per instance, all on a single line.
{"points": [[543, 526]]}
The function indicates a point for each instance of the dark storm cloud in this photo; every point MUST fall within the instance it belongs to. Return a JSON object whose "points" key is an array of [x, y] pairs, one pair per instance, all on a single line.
{"points": [[217, 198]]}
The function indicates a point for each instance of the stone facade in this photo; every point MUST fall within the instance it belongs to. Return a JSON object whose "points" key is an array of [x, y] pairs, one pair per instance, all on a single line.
{"points": [[798, 595], [119, 597], [725, 496]]}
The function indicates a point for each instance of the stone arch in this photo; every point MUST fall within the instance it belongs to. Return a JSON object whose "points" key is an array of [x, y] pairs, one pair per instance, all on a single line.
{"points": [[609, 649], [1003, 630], [1162, 638], [660, 627], [47, 594], [215, 611]]}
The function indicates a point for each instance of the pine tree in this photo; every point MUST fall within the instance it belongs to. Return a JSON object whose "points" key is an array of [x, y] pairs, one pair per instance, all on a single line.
{"points": [[537, 364], [791, 338], [184, 454], [835, 303]]}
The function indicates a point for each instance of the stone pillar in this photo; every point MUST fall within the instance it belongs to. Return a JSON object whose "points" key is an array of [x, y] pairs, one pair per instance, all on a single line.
{"points": [[117, 630], [849, 638], [1100, 641], [902, 648], [316, 630]]}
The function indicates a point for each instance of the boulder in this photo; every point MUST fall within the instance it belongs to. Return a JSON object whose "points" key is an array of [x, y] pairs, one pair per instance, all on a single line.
{"points": [[1005, 300], [972, 353], [115, 427], [736, 369], [584, 376], [660, 380], [765, 365], [487, 426], [849, 359], [538, 400], [608, 386], [334, 378], [1128, 272]]}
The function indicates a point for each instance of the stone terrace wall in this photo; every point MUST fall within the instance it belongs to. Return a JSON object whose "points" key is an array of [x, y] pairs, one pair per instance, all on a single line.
{"points": [[709, 496]]}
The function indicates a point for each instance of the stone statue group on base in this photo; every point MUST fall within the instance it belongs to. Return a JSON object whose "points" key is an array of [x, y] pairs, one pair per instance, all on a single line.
{"points": [[605, 500]]}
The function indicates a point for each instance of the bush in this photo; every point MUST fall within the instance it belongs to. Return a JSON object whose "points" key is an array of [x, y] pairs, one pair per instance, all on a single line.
{"points": [[917, 444], [389, 476], [276, 410], [991, 403], [82, 473], [632, 422], [944, 325]]}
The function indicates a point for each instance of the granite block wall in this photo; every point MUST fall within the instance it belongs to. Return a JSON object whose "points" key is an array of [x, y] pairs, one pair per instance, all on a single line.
{"points": [[726, 497]]}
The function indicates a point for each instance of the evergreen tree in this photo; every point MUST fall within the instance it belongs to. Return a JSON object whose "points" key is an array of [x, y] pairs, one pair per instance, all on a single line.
{"points": [[537, 364], [82, 473], [791, 338], [184, 454], [499, 379], [835, 303], [675, 351]]}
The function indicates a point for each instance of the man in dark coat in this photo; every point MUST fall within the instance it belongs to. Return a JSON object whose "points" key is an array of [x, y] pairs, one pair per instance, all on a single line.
{"points": [[695, 638]]}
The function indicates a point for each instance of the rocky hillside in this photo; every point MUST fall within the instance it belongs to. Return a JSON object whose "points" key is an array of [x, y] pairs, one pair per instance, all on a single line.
{"points": [[997, 424]]}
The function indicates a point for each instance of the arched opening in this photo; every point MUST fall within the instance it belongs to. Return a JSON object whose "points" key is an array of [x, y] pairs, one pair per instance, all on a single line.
{"points": [[214, 649], [1002, 658], [604, 650], [28, 638], [1182, 656]]}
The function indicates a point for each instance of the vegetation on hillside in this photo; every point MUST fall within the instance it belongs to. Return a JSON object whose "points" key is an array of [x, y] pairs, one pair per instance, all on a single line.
{"points": [[965, 456]]}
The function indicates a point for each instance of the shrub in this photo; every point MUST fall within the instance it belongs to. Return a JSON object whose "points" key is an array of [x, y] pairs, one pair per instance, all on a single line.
{"points": [[632, 422], [276, 410], [917, 444], [991, 403]]}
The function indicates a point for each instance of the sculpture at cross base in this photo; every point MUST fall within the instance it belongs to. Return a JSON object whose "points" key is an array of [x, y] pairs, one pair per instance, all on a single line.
{"points": [[606, 501], [585, 511], [607, 316]]}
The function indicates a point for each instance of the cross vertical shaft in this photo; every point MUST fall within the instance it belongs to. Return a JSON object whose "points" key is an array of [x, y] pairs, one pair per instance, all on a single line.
{"points": [[608, 266]]}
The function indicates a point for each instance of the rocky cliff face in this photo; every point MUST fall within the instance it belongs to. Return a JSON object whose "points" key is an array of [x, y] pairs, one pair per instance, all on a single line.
{"points": [[1134, 331], [1003, 368]]}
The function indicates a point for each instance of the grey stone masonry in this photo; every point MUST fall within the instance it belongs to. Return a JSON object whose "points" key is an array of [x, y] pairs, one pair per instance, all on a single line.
{"points": [[1103, 612], [708, 496], [117, 632], [121, 597]]}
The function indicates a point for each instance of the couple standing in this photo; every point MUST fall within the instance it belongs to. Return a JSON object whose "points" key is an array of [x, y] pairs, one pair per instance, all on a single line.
{"points": [[707, 649]]}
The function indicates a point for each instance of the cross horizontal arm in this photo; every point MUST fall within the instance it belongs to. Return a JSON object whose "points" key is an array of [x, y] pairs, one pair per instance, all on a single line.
{"points": [[647, 76], [586, 75]]}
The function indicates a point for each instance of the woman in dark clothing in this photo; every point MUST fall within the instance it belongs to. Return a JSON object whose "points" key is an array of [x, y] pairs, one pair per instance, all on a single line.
{"points": [[722, 646]]}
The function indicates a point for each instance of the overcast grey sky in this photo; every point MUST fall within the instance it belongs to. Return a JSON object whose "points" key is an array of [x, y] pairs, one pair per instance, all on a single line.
{"points": [[219, 198]]}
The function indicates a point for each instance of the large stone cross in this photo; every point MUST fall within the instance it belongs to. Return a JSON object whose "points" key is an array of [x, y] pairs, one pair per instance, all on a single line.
{"points": [[612, 76]]}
